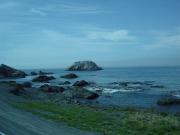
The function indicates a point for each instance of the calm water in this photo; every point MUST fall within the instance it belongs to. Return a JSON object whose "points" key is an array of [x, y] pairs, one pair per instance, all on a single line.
{"points": [[169, 77]]}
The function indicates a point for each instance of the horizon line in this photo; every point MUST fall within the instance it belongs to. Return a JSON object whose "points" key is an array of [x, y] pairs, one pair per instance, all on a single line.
{"points": [[145, 66]]}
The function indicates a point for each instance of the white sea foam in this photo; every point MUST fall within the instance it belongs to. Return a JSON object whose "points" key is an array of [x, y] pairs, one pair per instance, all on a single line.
{"points": [[111, 90], [176, 95], [94, 88]]}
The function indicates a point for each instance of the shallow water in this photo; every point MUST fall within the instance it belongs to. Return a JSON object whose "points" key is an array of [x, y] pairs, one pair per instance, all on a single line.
{"points": [[169, 77]]}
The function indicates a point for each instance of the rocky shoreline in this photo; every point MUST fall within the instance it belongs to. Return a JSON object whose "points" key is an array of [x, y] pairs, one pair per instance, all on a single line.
{"points": [[60, 94], [81, 91]]}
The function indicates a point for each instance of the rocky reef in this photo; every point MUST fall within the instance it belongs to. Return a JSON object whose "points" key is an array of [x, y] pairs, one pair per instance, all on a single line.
{"points": [[51, 89], [9, 72], [43, 78], [172, 98], [81, 83], [65, 83], [59, 94], [168, 101], [69, 76], [84, 66]]}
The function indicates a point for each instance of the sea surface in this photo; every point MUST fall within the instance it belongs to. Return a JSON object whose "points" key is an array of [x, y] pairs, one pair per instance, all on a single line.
{"points": [[166, 81]]}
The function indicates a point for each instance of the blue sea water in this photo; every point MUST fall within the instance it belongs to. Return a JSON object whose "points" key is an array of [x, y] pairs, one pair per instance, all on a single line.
{"points": [[169, 77]]}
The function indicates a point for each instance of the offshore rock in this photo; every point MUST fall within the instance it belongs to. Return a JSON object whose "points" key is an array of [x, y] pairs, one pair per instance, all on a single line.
{"points": [[84, 66]]}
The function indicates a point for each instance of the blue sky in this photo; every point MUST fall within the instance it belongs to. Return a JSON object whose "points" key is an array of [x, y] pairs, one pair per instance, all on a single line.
{"points": [[113, 33]]}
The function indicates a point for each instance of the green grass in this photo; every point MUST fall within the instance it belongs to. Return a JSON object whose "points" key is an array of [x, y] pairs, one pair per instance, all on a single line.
{"points": [[108, 121]]}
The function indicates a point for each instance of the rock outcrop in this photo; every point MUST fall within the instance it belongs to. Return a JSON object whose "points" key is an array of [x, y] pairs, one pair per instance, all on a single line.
{"points": [[51, 89], [9, 72], [81, 83], [18, 89], [34, 73], [84, 66], [169, 101], [27, 84], [69, 76], [43, 78], [65, 83], [79, 93]]}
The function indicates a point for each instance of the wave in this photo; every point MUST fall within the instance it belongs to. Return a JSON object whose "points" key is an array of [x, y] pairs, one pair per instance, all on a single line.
{"points": [[110, 90]]}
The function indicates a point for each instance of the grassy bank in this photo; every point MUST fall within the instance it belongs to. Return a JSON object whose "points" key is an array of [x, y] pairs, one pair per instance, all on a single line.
{"points": [[108, 121]]}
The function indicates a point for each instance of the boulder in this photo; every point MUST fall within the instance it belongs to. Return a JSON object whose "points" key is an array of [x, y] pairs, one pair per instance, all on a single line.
{"points": [[84, 66], [27, 84], [169, 101], [44, 73], [9, 72], [43, 78], [80, 93], [51, 89], [91, 95], [34, 73], [65, 83], [157, 86], [81, 83], [69, 76], [17, 89]]}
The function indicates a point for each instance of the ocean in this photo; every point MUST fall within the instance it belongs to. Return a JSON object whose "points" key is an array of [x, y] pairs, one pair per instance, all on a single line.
{"points": [[143, 85]]}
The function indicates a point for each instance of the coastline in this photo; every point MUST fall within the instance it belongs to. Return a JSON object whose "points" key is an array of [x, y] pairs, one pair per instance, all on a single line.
{"points": [[19, 122], [92, 118], [78, 100]]}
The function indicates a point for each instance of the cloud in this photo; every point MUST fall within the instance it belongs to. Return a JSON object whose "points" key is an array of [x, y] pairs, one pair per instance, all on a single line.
{"points": [[71, 8], [38, 12], [42, 9], [170, 40], [115, 36], [166, 38]]}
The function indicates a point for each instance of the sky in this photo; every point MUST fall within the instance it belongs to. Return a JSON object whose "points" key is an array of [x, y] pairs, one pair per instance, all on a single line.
{"points": [[113, 33]]}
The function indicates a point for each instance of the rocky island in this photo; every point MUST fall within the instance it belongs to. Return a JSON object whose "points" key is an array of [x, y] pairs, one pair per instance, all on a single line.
{"points": [[84, 66]]}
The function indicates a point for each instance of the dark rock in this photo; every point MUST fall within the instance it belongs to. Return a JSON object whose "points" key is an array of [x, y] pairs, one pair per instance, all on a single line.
{"points": [[27, 84], [84, 66], [168, 101], [9, 72], [43, 78], [80, 93], [34, 73], [17, 89], [65, 83], [157, 86], [44, 73], [81, 83], [92, 95], [51, 89], [69, 76], [124, 84]]}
